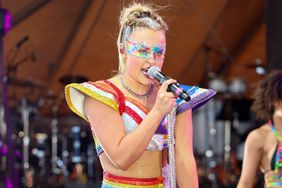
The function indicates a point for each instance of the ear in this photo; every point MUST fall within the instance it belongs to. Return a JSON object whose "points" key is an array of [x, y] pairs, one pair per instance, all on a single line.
{"points": [[121, 50]]}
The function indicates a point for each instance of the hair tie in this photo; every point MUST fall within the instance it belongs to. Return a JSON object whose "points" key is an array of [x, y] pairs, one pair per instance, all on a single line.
{"points": [[144, 14]]}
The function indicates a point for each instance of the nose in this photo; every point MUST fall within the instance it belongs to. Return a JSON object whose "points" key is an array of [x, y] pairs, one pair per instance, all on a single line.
{"points": [[150, 60]]}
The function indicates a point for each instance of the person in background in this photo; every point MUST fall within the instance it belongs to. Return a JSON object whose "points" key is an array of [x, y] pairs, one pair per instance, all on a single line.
{"points": [[128, 112], [263, 147]]}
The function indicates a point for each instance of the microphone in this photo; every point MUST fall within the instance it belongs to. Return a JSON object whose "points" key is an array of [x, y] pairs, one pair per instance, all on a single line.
{"points": [[154, 72]]}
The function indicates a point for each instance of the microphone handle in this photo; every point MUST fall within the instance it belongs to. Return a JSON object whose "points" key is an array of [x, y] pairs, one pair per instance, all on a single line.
{"points": [[178, 91]]}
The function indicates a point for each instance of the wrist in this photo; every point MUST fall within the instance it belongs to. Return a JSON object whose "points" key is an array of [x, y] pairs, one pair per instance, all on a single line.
{"points": [[154, 113]]}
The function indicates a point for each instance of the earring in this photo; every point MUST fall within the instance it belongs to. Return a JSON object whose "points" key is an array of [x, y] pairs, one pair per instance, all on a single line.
{"points": [[121, 50]]}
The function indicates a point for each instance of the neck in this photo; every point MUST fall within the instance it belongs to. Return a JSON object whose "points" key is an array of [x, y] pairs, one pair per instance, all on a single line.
{"points": [[134, 85], [277, 120]]}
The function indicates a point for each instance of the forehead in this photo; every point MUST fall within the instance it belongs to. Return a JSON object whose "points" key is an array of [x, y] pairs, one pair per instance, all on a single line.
{"points": [[148, 36]]}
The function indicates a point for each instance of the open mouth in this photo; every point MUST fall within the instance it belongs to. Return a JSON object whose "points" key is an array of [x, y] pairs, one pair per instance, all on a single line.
{"points": [[145, 71]]}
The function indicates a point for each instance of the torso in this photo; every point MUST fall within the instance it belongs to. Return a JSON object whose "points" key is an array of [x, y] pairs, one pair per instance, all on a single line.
{"points": [[147, 166], [268, 145], [150, 163]]}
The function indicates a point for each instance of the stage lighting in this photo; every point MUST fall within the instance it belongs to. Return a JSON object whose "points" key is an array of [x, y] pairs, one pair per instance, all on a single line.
{"points": [[5, 21]]}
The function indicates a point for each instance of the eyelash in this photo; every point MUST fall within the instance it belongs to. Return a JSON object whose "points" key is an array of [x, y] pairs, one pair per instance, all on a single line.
{"points": [[143, 51]]}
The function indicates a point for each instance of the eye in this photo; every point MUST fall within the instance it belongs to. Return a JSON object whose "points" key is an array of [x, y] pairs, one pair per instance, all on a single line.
{"points": [[144, 51], [159, 53]]}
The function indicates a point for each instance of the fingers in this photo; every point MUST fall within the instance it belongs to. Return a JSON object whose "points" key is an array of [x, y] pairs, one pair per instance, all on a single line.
{"points": [[167, 97], [165, 94], [165, 101], [163, 89]]}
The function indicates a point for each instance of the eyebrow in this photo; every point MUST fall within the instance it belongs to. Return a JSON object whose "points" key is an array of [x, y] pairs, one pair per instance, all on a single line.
{"points": [[143, 43]]}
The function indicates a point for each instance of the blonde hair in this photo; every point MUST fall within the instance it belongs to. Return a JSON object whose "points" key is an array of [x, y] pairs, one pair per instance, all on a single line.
{"points": [[137, 15]]}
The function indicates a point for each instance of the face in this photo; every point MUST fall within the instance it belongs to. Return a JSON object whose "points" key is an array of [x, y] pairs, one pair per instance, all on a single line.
{"points": [[144, 48]]}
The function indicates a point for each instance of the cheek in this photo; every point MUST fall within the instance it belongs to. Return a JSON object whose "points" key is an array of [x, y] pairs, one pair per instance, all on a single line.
{"points": [[134, 63], [159, 63], [278, 109], [278, 112]]}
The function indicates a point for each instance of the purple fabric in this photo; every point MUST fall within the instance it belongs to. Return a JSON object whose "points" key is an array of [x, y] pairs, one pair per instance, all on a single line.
{"points": [[161, 129], [196, 102]]}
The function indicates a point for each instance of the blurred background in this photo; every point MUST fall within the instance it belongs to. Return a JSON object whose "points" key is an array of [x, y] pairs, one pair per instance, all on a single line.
{"points": [[226, 45]]}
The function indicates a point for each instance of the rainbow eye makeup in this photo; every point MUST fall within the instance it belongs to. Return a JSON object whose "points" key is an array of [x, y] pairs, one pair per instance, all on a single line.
{"points": [[140, 50]]}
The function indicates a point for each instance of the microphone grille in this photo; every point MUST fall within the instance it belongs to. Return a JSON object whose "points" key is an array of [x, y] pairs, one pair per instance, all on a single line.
{"points": [[152, 70]]}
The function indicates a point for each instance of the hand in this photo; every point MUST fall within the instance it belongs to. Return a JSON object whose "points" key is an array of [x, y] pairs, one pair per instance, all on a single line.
{"points": [[165, 101]]}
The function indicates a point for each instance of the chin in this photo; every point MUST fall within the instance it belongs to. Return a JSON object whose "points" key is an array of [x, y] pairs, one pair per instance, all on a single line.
{"points": [[146, 80]]}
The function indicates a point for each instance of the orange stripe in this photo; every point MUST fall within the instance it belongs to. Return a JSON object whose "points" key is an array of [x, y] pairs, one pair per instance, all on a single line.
{"points": [[138, 104], [106, 88], [103, 86]]}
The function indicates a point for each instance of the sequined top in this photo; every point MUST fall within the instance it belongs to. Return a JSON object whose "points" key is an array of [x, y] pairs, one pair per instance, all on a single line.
{"points": [[131, 111], [275, 179]]}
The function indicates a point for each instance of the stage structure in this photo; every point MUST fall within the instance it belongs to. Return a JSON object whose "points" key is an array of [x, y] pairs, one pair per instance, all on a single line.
{"points": [[8, 171]]}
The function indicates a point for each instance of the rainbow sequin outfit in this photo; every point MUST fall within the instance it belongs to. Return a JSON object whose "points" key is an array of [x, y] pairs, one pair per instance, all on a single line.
{"points": [[131, 111]]}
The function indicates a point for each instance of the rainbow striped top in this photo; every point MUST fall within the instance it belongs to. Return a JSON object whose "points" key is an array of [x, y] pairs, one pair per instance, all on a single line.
{"points": [[131, 111]]}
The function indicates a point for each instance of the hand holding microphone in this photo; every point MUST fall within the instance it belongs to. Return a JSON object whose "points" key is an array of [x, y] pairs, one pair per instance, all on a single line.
{"points": [[154, 72]]}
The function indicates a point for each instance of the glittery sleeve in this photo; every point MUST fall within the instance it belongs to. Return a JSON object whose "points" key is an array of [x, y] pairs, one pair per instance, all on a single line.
{"points": [[75, 94], [199, 96]]}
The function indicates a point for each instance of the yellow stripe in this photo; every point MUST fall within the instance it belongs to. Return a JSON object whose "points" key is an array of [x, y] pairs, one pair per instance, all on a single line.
{"points": [[105, 100]]}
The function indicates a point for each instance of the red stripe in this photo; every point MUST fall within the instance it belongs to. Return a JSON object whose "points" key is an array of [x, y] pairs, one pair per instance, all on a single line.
{"points": [[138, 104], [121, 98], [133, 181], [106, 88], [103, 88], [133, 114]]}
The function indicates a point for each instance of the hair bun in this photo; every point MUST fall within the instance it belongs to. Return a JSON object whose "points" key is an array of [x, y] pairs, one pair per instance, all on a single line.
{"points": [[137, 15], [135, 11]]}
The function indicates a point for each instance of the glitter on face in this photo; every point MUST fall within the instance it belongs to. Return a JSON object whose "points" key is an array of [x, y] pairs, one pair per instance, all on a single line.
{"points": [[141, 50]]}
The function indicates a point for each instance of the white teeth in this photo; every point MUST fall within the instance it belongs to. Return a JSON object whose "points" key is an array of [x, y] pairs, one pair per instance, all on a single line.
{"points": [[145, 71]]}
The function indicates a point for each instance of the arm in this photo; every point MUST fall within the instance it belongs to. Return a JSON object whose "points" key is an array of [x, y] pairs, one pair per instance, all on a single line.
{"points": [[121, 148], [252, 156], [186, 170]]}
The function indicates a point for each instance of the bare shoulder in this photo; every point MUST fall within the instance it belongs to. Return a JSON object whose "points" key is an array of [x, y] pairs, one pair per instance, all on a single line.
{"points": [[264, 131], [257, 137], [91, 104]]}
